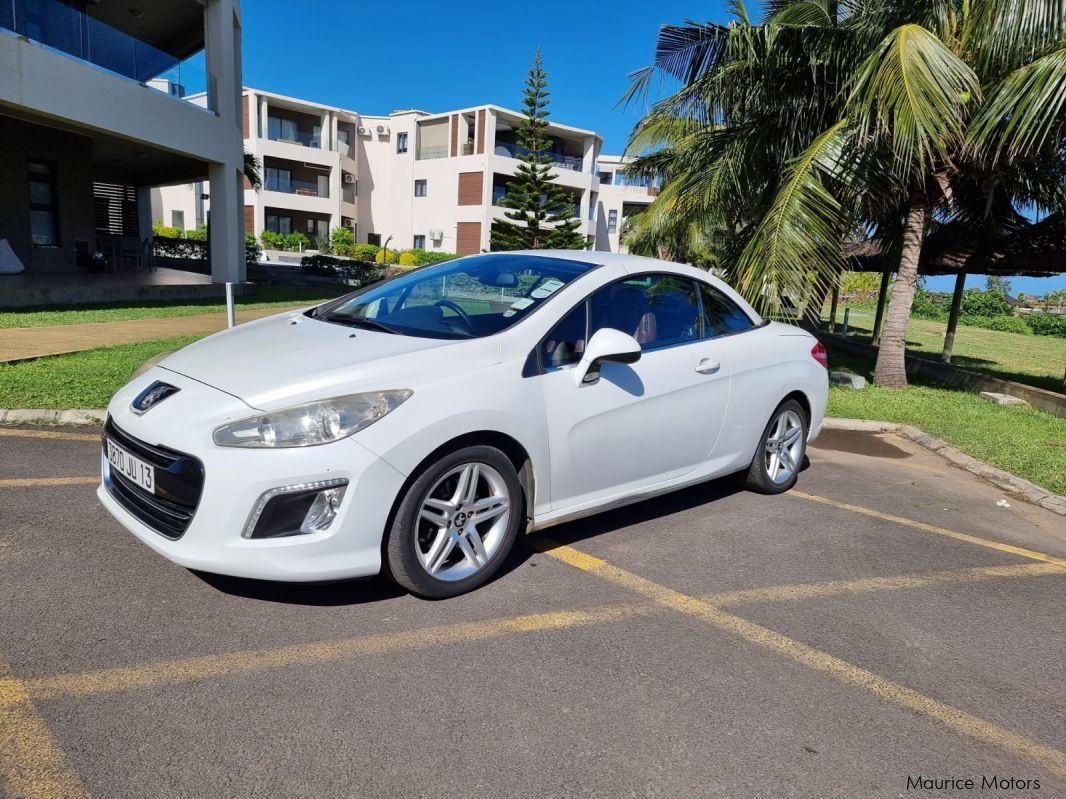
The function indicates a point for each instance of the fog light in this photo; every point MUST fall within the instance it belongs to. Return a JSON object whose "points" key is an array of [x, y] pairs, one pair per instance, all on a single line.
{"points": [[295, 509], [323, 510]]}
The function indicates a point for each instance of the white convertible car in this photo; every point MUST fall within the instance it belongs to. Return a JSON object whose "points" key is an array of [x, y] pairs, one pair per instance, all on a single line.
{"points": [[418, 424]]}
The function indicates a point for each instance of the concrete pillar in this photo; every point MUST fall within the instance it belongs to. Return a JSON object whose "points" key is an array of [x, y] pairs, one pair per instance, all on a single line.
{"points": [[323, 131], [953, 317], [882, 295], [253, 119], [144, 224], [227, 224], [264, 118]]}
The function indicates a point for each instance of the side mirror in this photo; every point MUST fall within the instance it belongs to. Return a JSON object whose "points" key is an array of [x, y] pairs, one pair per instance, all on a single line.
{"points": [[606, 346]]}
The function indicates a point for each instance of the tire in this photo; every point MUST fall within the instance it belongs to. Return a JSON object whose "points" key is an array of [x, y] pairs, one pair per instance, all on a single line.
{"points": [[769, 474], [447, 537]]}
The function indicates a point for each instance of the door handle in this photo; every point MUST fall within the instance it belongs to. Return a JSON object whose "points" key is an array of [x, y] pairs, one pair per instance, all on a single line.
{"points": [[708, 367]]}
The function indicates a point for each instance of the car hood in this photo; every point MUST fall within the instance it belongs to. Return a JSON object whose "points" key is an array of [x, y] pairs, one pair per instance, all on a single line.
{"points": [[290, 358]]}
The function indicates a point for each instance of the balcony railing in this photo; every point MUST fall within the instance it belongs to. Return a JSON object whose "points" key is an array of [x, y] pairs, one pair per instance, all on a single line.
{"points": [[432, 151], [572, 162], [297, 137], [63, 28], [304, 188]]}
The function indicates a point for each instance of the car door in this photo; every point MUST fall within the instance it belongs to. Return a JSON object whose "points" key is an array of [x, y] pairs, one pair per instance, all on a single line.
{"points": [[642, 423]]}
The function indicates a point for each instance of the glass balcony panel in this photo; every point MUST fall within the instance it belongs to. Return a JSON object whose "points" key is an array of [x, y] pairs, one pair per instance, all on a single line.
{"points": [[571, 162], [433, 151], [63, 28], [305, 188]]}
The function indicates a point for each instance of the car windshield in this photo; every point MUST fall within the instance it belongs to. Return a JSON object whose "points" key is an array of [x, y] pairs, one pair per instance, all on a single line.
{"points": [[465, 298]]}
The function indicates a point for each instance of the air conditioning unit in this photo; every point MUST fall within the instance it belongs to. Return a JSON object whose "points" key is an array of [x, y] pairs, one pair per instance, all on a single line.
{"points": [[436, 234], [348, 178], [349, 222], [364, 131], [383, 130]]}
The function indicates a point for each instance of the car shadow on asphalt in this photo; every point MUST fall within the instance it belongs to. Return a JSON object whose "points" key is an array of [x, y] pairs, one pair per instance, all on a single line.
{"points": [[368, 590]]}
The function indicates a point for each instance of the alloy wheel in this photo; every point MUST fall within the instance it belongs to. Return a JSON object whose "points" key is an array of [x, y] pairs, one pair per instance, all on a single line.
{"points": [[462, 521], [783, 449]]}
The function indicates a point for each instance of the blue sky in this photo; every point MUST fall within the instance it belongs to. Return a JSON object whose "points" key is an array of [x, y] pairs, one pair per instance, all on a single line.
{"points": [[377, 57]]}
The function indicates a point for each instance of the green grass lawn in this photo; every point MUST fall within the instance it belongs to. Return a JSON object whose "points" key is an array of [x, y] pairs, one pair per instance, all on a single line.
{"points": [[1029, 443], [1025, 442], [1035, 360], [263, 297]]}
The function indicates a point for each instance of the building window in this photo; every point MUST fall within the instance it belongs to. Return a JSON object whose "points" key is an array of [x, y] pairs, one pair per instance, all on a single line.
{"points": [[420, 188], [177, 220], [612, 221], [279, 224], [401, 142], [605, 178], [279, 129], [278, 179], [44, 215], [420, 242], [373, 238]]}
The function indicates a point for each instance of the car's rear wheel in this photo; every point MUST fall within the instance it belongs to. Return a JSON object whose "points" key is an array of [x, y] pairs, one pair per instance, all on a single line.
{"points": [[779, 458], [456, 523]]}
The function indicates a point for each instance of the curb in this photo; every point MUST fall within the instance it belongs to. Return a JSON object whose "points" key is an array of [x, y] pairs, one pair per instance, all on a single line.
{"points": [[43, 416], [1016, 486], [1006, 481]]}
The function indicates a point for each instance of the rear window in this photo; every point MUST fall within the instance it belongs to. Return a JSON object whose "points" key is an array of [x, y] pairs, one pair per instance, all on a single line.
{"points": [[721, 315]]}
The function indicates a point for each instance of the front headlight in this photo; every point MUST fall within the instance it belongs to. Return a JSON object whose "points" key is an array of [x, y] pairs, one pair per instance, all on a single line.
{"points": [[311, 423]]}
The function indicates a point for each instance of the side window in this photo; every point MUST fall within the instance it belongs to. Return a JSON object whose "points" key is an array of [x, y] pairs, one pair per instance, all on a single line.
{"points": [[720, 314], [565, 344], [657, 310]]}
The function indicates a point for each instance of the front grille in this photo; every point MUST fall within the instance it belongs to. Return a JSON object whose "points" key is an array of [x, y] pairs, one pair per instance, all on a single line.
{"points": [[179, 481]]}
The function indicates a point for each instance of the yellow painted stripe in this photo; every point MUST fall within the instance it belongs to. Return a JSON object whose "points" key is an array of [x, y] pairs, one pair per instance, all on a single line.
{"points": [[932, 528], [801, 591], [967, 724], [32, 766], [35, 482], [12, 432], [178, 671]]}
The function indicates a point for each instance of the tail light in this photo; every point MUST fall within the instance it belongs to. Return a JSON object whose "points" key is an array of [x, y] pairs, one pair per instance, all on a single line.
{"points": [[819, 354]]}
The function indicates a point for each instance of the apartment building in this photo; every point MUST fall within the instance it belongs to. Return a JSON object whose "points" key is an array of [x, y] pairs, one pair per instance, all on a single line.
{"points": [[409, 178], [620, 195], [93, 115], [435, 181]]}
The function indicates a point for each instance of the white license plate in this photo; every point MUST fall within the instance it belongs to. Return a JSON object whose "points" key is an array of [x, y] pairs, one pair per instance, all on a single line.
{"points": [[133, 469]]}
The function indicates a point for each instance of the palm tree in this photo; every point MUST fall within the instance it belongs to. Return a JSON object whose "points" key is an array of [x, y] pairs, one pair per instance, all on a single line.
{"points": [[253, 171], [827, 117]]}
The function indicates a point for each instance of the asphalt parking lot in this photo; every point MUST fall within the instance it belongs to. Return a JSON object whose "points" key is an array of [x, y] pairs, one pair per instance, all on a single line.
{"points": [[886, 620]]}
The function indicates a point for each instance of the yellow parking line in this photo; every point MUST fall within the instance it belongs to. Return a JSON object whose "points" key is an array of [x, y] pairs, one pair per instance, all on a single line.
{"points": [[960, 721], [129, 677], [800, 591], [32, 766], [932, 528], [35, 482], [55, 434]]}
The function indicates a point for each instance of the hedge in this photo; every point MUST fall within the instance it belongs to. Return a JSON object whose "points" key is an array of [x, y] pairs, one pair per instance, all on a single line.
{"points": [[359, 272]]}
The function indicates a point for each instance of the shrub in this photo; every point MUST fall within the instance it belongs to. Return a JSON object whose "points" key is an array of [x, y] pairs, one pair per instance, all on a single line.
{"points": [[984, 303], [252, 251], [341, 241], [930, 305], [1046, 324], [179, 247], [423, 257], [165, 231], [197, 234], [408, 259], [1008, 324], [359, 272], [365, 252], [382, 255], [296, 241], [272, 240]]}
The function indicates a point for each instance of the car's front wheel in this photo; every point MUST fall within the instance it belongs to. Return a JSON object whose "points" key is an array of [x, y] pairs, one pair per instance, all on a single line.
{"points": [[783, 445], [456, 523]]}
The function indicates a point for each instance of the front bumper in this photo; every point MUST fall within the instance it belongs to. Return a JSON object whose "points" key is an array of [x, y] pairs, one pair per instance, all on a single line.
{"points": [[234, 479]]}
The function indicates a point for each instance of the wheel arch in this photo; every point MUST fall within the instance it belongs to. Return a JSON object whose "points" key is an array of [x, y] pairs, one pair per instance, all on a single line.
{"points": [[514, 450], [804, 402]]}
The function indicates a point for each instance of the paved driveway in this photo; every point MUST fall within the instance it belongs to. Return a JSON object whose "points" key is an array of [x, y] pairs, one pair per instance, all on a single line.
{"points": [[886, 621]]}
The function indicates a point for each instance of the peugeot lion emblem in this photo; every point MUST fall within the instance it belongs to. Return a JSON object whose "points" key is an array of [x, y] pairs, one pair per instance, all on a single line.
{"points": [[152, 396]]}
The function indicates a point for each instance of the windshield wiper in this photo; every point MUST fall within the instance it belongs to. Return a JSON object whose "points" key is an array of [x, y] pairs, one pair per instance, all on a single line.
{"points": [[360, 321]]}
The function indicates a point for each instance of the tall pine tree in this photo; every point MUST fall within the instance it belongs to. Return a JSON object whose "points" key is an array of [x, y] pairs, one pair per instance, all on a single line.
{"points": [[541, 213]]}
